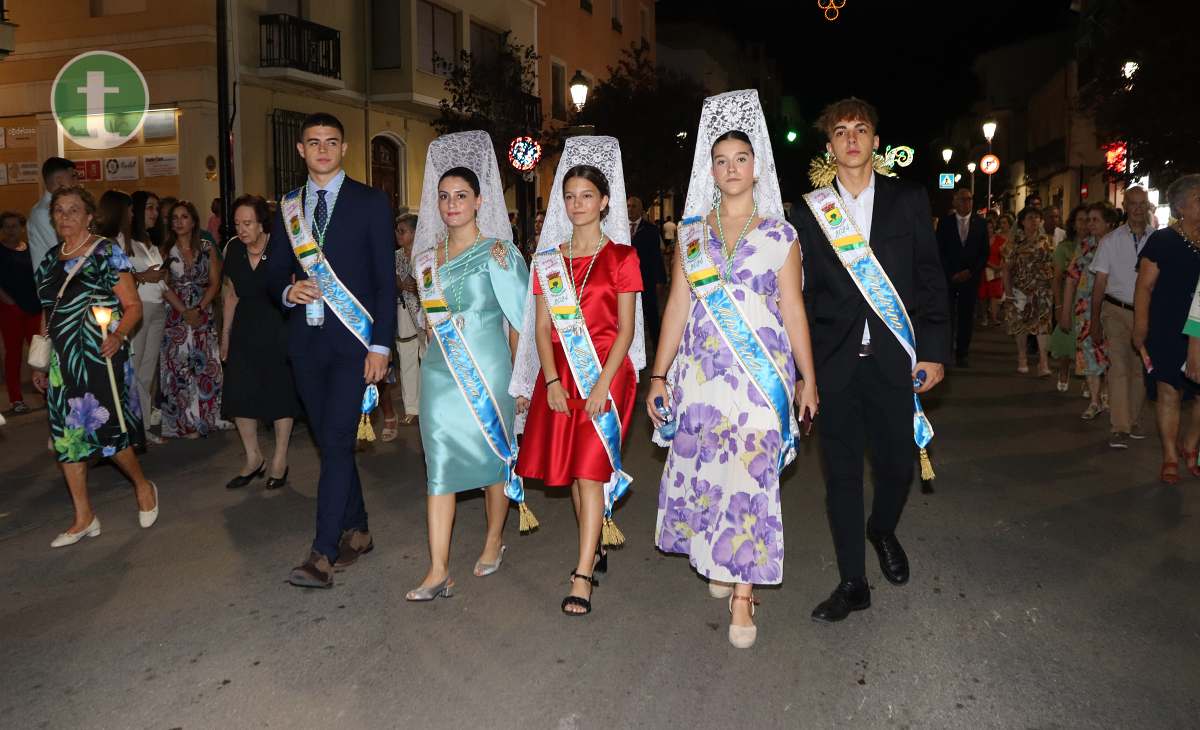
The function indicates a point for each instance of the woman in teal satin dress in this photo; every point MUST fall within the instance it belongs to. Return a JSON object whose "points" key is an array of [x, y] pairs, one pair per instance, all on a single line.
{"points": [[484, 281]]}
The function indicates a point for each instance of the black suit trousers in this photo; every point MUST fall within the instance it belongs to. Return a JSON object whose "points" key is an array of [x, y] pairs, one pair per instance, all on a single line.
{"points": [[874, 416], [331, 387], [962, 315]]}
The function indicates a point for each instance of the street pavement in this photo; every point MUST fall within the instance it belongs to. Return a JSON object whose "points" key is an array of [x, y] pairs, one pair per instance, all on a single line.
{"points": [[1055, 584]]}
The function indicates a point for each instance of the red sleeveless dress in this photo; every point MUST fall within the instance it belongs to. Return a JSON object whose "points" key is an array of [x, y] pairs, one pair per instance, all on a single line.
{"points": [[558, 448]]}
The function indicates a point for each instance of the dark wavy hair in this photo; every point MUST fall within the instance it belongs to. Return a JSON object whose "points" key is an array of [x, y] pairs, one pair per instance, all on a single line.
{"points": [[595, 177], [170, 239], [262, 211], [737, 134], [1028, 211], [154, 234], [1069, 223], [465, 173], [114, 205]]}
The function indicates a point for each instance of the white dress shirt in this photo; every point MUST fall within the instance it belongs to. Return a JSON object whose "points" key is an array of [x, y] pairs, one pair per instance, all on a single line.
{"points": [[1117, 256], [860, 209], [964, 227], [42, 237], [144, 257]]}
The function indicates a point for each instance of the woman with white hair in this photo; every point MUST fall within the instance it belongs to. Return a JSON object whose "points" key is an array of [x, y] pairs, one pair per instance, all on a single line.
{"points": [[1168, 271]]}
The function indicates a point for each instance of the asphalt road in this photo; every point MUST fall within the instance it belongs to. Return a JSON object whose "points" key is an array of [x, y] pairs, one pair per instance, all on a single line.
{"points": [[1055, 584]]}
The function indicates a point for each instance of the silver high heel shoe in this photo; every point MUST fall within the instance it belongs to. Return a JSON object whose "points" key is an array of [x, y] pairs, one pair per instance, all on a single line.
{"points": [[443, 589], [484, 569], [70, 538]]}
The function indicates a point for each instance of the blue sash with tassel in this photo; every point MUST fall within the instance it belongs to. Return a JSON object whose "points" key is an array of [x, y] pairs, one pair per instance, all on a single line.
{"points": [[873, 283], [563, 304], [471, 382]]}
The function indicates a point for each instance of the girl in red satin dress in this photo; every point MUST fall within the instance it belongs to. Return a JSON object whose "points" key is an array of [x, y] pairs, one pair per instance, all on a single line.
{"points": [[560, 445]]}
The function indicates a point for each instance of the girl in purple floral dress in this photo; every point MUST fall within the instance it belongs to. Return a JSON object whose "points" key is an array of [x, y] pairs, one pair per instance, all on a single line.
{"points": [[719, 496]]}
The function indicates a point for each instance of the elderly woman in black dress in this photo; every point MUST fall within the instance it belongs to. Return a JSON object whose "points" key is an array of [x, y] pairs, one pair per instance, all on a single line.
{"points": [[1168, 270], [258, 380]]}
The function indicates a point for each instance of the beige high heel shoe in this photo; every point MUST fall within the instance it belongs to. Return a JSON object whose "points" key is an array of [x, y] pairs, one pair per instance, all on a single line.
{"points": [[717, 589], [742, 637]]}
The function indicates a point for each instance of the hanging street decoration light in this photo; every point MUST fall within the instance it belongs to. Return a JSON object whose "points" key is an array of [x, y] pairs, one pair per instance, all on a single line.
{"points": [[524, 153]]}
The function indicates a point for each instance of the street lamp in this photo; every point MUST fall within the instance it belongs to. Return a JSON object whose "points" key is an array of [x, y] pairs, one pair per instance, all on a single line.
{"points": [[947, 153], [579, 90], [989, 131], [971, 169]]}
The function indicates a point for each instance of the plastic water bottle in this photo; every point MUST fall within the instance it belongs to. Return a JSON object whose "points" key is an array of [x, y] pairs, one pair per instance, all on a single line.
{"points": [[314, 313], [667, 429]]}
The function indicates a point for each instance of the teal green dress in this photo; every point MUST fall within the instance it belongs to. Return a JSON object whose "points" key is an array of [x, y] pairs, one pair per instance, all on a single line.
{"points": [[485, 285]]}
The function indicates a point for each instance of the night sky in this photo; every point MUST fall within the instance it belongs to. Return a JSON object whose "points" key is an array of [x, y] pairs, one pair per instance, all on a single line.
{"points": [[912, 60]]}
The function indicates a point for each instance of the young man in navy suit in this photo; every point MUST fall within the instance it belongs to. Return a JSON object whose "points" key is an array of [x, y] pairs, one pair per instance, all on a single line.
{"points": [[352, 225], [865, 376], [963, 242]]}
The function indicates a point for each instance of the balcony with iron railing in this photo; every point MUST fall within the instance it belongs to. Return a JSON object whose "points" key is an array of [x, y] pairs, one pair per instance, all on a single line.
{"points": [[300, 50]]}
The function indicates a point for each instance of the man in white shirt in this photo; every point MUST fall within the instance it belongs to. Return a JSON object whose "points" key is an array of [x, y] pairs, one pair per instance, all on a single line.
{"points": [[1115, 267], [57, 173], [1051, 220], [668, 231]]}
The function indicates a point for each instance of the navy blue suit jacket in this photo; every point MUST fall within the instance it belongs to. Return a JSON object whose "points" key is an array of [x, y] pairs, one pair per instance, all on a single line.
{"points": [[957, 254], [359, 245]]}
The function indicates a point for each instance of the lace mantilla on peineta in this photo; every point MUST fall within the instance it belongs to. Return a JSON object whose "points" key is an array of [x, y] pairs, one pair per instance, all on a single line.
{"points": [[722, 113], [474, 151], [603, 153]]}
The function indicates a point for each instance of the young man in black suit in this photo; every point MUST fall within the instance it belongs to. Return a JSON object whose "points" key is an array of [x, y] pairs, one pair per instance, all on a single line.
{"points": [[865, 376], [646, 240], [352, 224], [963, 242]]}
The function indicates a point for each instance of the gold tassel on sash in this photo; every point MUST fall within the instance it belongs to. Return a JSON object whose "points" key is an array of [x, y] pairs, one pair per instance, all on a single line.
{"points": [[926, 467], [529, 523], [610, 534], [365, 431]]}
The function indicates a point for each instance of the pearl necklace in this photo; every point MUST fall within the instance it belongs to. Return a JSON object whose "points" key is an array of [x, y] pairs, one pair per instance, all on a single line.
{"points": [[721, 235], [66, 253], [588, 272]]}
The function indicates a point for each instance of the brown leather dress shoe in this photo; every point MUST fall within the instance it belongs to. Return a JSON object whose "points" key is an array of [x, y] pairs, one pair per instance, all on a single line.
{"points": [[316, 572], [354, 544]]}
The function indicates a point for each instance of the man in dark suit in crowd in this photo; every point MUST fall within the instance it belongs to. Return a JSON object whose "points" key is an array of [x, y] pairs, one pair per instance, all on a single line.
{"points": [[352, 225], [645, 238], [963, 243], [865, 377]]}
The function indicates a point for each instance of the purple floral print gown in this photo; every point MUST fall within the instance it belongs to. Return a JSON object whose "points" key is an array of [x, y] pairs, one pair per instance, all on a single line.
{"points": [[718, 502]]}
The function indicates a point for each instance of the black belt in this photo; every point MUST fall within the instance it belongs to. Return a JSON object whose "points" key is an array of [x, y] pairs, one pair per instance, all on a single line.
{"points": [[1118, 302]]}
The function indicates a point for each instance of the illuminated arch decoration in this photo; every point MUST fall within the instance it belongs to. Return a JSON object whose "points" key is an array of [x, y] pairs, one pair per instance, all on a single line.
{"points": [[524, 153], [831, 8]]}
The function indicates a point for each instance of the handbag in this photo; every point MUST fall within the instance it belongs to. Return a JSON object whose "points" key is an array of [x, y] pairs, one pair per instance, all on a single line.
{"points": [[40, 346]]}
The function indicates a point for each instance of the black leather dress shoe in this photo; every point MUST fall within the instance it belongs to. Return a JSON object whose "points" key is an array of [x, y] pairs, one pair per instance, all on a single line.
{"points": [[853, 595], [242, 480], [892, 560], [277, 482]]}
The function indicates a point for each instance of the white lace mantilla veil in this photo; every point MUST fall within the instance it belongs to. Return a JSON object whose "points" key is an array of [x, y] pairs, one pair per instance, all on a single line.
{"points": [[738, 110], [603, 153], [474, 151]]}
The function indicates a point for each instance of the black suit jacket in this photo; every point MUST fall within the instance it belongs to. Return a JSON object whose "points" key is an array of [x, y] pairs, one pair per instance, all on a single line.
{"points": [[359, 245], [902, 238], [957, 254], [648, 242]]}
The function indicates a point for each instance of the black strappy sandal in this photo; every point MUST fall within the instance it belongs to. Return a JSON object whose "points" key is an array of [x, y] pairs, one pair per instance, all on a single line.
{"points": [[584, 603], [601, 561]]}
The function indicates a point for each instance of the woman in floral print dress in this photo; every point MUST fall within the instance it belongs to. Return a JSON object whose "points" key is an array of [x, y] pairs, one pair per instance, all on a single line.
{"points": [[719, 499], [91, 414]]}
